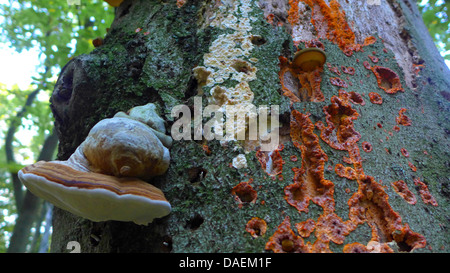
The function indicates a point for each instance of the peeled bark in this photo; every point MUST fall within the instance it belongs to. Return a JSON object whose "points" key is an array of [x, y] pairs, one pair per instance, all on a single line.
{"points": [[329, 187]]}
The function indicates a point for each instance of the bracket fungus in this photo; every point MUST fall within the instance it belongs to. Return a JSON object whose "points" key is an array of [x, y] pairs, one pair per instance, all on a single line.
{"points": [[114, 3], [309, 59], [95, 196], [102, 179], [300, 80]]}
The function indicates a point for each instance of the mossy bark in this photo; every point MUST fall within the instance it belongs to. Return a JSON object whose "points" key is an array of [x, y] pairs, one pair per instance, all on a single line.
{"points": [[149, 55]]}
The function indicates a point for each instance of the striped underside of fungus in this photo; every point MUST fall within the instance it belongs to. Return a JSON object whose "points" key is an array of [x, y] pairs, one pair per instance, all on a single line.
{"points": [[104, 178], [95, 196]]}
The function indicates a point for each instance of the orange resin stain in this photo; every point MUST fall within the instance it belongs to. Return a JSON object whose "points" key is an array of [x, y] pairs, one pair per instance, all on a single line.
{"points": [[271, 163], [284, 240], [334, 69], [413, 168], [314, 43], [331, 19], [180, 3], [293, 16], [355, 248], [418, 68], [404, 152], [305, 228], [348, 70], [330, 227], [309, 182], [373, 59], [206, 149], [402, 119], [367, 147], [339, 117], [375, 98], [330, 23], [270, 18], [356, 98], [347, 172], [369, 204], [402, 189], [256, 227], [277, 162], [299, 85], [425, 194], [244, 193], [338, 82], [387, 79]]}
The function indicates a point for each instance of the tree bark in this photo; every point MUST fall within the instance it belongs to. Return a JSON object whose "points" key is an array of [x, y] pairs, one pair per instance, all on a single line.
{"points": [[157, 51]]}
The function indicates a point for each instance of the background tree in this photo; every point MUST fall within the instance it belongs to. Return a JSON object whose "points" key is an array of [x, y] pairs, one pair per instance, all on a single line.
{"points": [[435, 17], [167, 52]]}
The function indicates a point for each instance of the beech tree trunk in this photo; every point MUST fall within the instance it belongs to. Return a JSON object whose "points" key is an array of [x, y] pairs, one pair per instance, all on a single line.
{"points": [[330, 186]]}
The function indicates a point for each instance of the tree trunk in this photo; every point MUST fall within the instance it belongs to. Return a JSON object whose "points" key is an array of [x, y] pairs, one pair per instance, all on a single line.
{"points": [[329, 187]]}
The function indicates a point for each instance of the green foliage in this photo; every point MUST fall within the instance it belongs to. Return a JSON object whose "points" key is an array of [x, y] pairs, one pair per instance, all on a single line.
{"points": [[60, 32], [435, 17]]}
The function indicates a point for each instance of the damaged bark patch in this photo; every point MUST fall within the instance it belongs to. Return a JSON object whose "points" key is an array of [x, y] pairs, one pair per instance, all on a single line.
{"points": [[369, 204], [387, 79], [244, 193], [402, 189], [256, 227], [300, 85]]}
